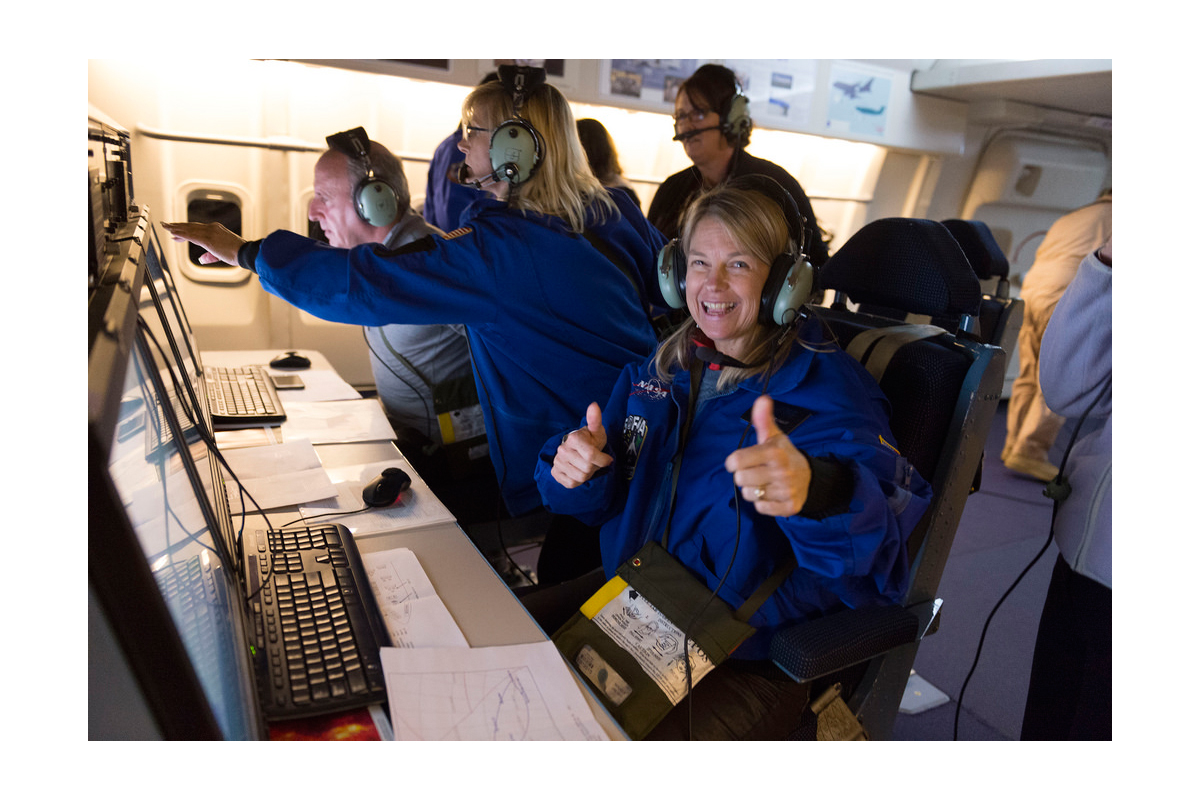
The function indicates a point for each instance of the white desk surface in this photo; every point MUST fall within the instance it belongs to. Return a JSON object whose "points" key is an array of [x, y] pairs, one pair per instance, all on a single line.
{"points": [[486, 610]]}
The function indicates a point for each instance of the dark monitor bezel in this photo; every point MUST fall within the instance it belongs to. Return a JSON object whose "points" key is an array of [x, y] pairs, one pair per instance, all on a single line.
{"points": [[117, 568], [118, 572]]}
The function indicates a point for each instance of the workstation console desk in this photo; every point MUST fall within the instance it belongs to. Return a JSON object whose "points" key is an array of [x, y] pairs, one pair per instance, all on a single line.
{"points": [[485, 609]]}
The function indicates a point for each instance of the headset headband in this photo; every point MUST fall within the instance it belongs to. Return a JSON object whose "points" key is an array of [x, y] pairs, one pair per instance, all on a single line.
{"points": [[376, 201], [353, 143], [521, 82], [771, 188]]}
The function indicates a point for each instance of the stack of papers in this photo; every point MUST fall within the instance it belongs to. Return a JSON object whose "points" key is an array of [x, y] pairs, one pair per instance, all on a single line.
{"points": [[279, 475], [343, 421], [441, 689], [520, 692]]}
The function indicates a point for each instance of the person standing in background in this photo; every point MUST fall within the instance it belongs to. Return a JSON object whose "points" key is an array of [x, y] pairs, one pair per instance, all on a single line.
{"points": [[1032, 426], [445, 197], [712, 121], [1070, 682]]}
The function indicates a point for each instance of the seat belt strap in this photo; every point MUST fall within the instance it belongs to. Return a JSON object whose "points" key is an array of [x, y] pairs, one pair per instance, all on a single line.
{"points": [[882, 344]]}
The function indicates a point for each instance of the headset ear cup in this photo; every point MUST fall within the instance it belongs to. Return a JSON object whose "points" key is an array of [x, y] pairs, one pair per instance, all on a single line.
{"points": [[671, 274], [376, 203], [737, 121], [515, 151], [789, 287]]}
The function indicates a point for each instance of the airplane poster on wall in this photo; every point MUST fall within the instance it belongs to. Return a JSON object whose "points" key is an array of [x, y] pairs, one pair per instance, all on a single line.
{"points": [[858, 101], [781, 89]]}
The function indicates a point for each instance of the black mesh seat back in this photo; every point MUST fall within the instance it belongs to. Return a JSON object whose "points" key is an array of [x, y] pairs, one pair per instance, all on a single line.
{"points": [[914, 265], [979, 246], [896, 314], [922, 384]]}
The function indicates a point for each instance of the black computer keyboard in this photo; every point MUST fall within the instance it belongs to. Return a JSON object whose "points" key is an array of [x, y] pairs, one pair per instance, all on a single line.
{"points": [[242, 395], [317, 627]]}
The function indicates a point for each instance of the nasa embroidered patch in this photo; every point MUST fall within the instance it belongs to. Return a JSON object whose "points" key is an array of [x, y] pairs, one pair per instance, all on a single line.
{"points": [[651, 389]]}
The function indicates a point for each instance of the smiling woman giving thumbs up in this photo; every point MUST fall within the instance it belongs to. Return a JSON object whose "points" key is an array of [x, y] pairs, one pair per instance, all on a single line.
{"points": [[746, 443]]}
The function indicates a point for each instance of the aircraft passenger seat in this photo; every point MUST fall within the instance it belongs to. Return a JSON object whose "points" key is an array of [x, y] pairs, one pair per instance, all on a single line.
{"points": [[1000, 315], [944, 388]]}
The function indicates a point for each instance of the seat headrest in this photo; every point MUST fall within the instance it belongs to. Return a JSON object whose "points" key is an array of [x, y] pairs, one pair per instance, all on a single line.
{"points": [[914, 265], [980, 247]]}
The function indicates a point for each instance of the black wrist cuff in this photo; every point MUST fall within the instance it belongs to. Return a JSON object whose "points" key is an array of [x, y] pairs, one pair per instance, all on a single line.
{"points": [[830, 488], [248, 254]]}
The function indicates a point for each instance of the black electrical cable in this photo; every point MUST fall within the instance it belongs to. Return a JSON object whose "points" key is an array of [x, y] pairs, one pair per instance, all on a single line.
{"points": [[212, 448]]}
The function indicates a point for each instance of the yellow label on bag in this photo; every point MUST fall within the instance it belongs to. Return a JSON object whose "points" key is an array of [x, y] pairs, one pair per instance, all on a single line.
{"points": [[461, 424], [607, 592]]}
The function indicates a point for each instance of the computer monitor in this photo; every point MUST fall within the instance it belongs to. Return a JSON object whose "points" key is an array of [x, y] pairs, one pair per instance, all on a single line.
{"points": [[177, 322], [162, 310], [161, 571]]}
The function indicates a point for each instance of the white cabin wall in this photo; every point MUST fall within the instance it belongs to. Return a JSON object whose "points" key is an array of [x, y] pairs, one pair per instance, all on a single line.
{"points": [[292, 106], [924, 167], [1003, 141]]}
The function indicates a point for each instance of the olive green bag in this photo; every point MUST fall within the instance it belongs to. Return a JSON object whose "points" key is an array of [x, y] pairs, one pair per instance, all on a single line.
{"points": [[627, 639]]}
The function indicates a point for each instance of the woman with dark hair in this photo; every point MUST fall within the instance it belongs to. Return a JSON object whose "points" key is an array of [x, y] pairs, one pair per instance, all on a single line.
{"points": [[602, 156], [761, 447], [712, 121]]}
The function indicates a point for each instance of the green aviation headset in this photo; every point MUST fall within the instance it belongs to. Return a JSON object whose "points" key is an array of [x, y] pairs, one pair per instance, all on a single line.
{"points": [[792, 279], [736, 119], [516, 147], [375, 201]]}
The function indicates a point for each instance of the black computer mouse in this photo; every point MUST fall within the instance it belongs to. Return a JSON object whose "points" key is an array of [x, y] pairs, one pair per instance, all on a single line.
{"points": [[387, 488], [291, 360]]}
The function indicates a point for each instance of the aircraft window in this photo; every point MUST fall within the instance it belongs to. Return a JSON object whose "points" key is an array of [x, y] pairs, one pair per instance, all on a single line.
{"points": [[210, 206]]}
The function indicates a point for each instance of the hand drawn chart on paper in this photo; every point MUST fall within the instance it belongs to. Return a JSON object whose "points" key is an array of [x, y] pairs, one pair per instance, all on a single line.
{"points": [[413, 613], [514, 693]]}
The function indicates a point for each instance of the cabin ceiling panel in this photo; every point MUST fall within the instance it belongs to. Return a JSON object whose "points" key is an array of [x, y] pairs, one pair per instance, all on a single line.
{"points": [[1083, 86]]}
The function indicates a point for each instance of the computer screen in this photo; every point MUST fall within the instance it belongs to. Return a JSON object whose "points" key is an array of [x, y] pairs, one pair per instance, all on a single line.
{"points": [[162, 310], [161, 276], [161, 558]]}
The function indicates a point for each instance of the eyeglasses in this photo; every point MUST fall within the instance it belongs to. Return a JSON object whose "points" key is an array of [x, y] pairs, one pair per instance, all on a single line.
{"points": [[696, 116], [469, 129]]}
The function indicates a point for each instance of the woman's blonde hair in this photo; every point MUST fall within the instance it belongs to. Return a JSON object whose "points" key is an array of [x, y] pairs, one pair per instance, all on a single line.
{"points": [[760, 228], [563, 185]]}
